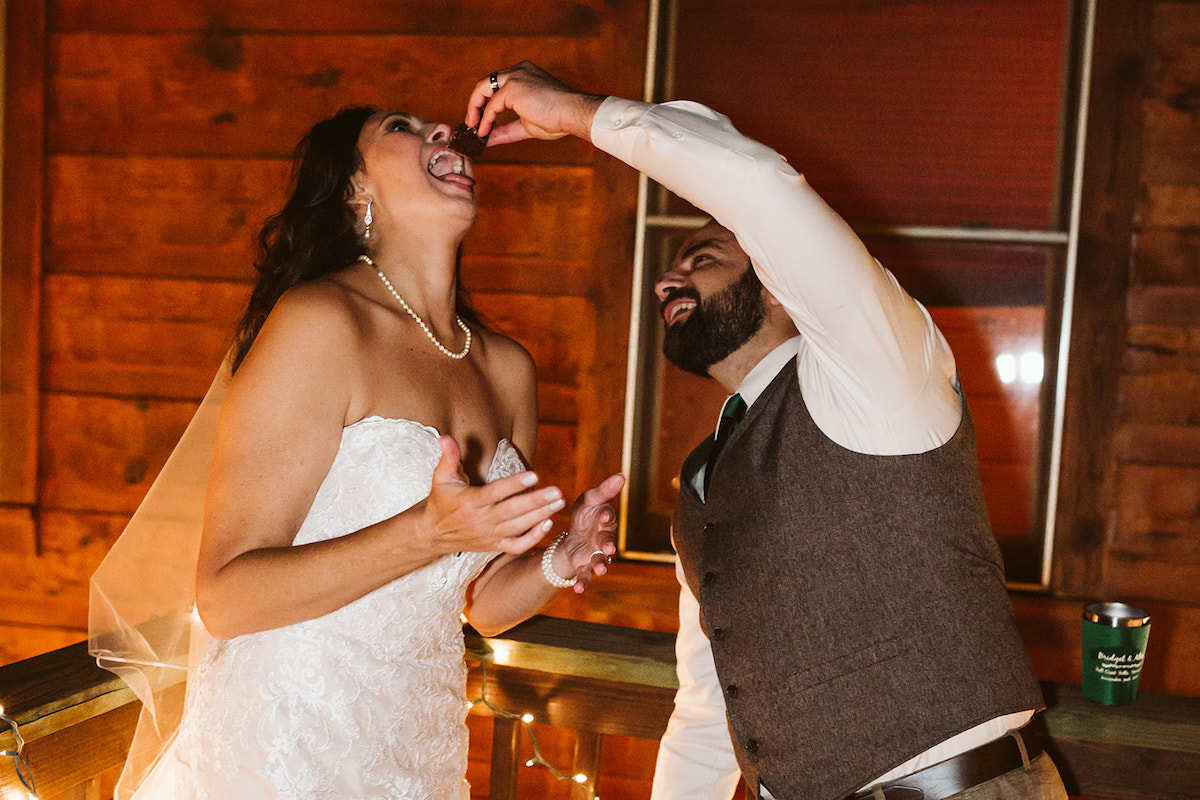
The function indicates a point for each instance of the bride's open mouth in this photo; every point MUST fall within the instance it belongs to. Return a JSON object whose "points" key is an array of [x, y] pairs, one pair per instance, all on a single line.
{"points": [[447, 162]]}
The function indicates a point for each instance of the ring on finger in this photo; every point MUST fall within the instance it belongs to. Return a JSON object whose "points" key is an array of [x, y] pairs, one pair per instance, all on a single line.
{"points": [[597, 553], [495, 82]]}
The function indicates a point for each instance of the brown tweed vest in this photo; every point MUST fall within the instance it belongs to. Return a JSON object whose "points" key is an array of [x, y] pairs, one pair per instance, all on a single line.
{"points": [[855, 604]]}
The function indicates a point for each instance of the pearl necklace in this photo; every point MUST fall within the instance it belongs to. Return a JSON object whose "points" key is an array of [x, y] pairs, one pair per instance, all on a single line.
{"points": [[466, 347]]}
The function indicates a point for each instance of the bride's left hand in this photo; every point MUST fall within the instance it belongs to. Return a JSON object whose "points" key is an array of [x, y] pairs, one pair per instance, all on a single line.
{"points": [[591, 542]]}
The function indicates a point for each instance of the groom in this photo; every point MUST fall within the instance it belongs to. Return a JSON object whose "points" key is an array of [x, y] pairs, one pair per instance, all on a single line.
{"points": [[844, 625]]}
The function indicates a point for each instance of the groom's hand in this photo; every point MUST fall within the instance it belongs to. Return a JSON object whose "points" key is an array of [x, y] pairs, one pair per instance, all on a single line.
{"points": [[546, 108]]}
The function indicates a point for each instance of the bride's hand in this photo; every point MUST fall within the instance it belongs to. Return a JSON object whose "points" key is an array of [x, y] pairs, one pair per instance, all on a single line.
{"points": [[591, 542], [506, 515]]}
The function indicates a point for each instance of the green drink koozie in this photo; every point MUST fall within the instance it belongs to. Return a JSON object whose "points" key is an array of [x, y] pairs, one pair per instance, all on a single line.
{"points": [[1114, 646]]}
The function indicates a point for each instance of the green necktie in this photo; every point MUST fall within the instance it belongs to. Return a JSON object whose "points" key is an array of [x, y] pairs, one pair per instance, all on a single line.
{"points": [[731, 415]]}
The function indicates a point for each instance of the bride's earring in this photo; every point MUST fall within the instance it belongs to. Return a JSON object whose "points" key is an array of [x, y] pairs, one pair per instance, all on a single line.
{"points": [[367, 220]]}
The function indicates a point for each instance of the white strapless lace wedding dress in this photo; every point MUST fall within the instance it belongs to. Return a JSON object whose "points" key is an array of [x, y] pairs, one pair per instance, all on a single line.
{"points": [[365, 702]]}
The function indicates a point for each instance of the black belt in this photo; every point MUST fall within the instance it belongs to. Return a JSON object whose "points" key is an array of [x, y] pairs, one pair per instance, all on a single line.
{"points": [[959, 773]]}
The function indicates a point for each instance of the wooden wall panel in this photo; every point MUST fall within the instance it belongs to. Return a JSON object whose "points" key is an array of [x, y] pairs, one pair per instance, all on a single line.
{"points": [[218, 93], [1157, 513], [171, 217], [1153, 541], [555, 330], [1158, 444], [555, 462], [1152, 582], [1167, 256], [102, 453], [529, 232], [577, 18], [1172, 148], [45, 591], [20, 271], [137, 336], [18, 531]]}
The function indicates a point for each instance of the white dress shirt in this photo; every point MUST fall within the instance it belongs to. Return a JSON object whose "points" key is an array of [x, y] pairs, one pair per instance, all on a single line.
{"points": [[876, 373]]}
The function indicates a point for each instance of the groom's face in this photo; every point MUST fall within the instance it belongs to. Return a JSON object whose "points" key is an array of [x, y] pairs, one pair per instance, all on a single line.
{"points": [[711, 300]]}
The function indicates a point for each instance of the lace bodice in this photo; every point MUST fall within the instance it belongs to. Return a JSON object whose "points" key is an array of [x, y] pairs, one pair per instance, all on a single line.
{"points": [[365, 702]]}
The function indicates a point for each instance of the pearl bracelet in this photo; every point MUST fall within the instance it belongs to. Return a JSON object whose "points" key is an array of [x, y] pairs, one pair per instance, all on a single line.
{"points": [[548, 566]]}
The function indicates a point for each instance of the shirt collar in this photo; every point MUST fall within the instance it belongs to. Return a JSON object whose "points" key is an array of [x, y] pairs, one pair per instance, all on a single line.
{"points": [[762, 373]]}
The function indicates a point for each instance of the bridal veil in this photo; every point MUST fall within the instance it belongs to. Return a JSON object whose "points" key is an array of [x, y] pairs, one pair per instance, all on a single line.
{"points": [[142, 622]]}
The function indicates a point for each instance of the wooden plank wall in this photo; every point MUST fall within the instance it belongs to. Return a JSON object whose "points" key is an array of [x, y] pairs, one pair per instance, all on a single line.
{"points": [[168, 130], [1155, 543], [1129, 523]]}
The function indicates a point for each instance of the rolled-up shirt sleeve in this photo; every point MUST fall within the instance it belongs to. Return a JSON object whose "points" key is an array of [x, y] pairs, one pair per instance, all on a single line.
{"points": [[878, 376], [695, 757]]}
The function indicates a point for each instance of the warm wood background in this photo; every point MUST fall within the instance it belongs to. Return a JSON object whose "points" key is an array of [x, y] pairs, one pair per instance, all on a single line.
{"points": [[145, 142]]}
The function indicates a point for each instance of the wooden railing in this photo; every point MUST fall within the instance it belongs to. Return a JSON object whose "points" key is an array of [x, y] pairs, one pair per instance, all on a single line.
{"points": [[77, 719]]}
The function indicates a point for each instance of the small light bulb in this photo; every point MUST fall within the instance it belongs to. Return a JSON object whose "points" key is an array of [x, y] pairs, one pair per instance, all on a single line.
{"points": [[580, 778], [529, 763], [527, 718]]}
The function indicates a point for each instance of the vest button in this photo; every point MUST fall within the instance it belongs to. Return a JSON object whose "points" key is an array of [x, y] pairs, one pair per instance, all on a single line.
{"points": [[708, 577], [731, 691], [708, 526], [717, 634], [752, 746]]}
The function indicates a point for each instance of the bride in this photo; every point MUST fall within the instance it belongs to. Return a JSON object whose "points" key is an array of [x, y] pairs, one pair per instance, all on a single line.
{"points": [[369, 482]]}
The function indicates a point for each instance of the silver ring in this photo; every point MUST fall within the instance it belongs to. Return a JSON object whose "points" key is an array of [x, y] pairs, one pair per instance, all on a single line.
{"points": [[495, 83], [596, 553]]}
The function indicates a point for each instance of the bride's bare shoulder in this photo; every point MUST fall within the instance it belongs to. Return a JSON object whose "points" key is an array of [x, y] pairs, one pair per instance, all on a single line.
{"points": [[507, 357], [324, 309]]}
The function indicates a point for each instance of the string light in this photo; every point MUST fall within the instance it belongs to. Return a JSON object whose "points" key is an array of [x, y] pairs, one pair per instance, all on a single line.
{"points": [[24, 773], [579, 779]]}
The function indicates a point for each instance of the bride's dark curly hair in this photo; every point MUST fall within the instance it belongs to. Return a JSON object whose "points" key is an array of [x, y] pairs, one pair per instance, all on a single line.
{"points": [[314, 234]]}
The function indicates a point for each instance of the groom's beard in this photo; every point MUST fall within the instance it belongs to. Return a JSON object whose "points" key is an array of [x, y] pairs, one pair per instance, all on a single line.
{"points": [[717, 327]]}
